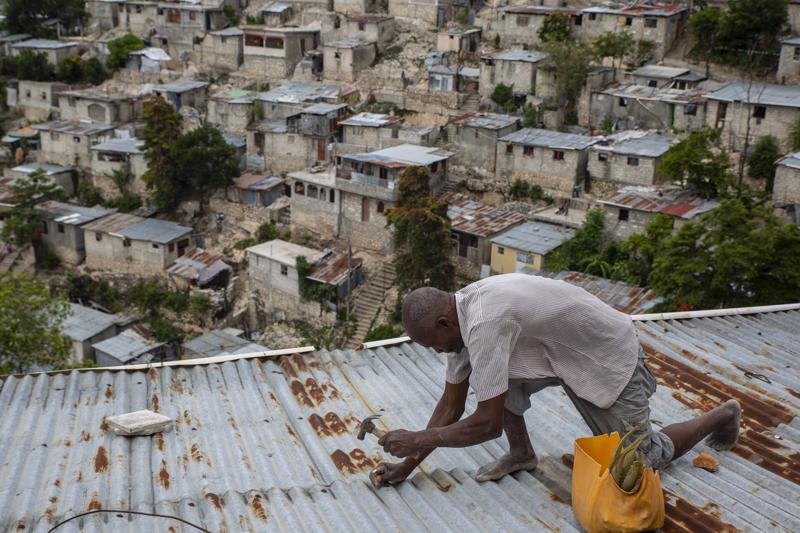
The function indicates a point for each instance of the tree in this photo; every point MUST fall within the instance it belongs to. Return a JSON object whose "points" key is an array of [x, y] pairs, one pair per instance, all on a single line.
{"points": [[29, 65], [699, 162], [421, 234], [704, 27], [732, 256], [28, 16], [641, 249], [761, 161], [615, 45], [70, 70], [794, 135], [30, 325], [22, 223], [579, 251], [532, 116], [641, 52], [203, 161], [503, 95], [233, 16], [570, 61], [119, 48], [555, 28], [162, 125]]}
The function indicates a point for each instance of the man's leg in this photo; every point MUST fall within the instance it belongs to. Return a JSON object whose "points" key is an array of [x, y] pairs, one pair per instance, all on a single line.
{"points": [[520, 455], [720, 425]]}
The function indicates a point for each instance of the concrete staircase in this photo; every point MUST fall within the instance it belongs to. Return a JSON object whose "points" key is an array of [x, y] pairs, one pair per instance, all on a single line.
{"points": [[18, 261], [471, 104], [370, 299], [447, 186]]}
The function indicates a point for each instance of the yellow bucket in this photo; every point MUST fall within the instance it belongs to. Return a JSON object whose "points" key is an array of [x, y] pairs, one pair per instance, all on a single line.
{"points": [[599, 504]]}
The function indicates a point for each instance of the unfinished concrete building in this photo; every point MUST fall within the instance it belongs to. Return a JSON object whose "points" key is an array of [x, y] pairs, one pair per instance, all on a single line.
{"points": [[345, 58], [38, 100], [273, 53], [222, 50], [378, 29], [119, 155], [476, 136], [786, 190], [641, 107], [628, 158], [180, 93], [369, 131], [54, 51], [61, 230], [515, 68], [521, 23], [460, 41], [107, 105], [231, 110], [69, 143], [292, 96], [789, 62]]}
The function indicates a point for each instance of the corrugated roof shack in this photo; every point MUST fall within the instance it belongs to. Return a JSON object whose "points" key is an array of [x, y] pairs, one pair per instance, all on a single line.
{"points": [[476, 136], [628, 158], [62, 231], [269, 443], [786, 190], [199, 268], [86, 326], [525, 247], [128, 348], [255, 190]]}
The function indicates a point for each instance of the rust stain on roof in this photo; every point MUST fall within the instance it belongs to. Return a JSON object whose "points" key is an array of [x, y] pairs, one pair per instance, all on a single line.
{"points": [[160, 441], [300, 393], [154, 402], [475, 218], [215, 501], [101, 460], [258, 507], [109, 391], [94, 504], [163, 474], [354, 462], [195, 453], [683, 517]]}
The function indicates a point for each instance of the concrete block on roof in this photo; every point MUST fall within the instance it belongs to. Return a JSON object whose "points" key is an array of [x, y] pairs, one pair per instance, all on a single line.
{"points": [[144, 422]]}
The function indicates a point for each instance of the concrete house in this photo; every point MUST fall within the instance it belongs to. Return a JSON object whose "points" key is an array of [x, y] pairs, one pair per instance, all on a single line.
{"points": [[38, 99], [459, 41], [786, 190], [516, 68], [769, 109], [433, 13], [292, 96], [69, 143], [105, 14], [629, 209], [521, 23], [473, 225], [198, 268], [789, 62], [118, 155], [7, 40], [378, 29], [140, 17], [369, 131], [180, 24], [453, 78], [556, 161], [271, 146], [313, 201], [63, 176], [344, 59], [127, 243], [103, 104], [255, 190], [129, 348], [86, 326], [657, 75], [366, 184], [642, 107], [151, 60], [276, 14], [524, 248], [222, 50], [272, 268], [231, 110], [629, 158], [476, 135], [179, 93], [319, 123], [275, 52], [55, 51], [661, 24], [61, 231]]}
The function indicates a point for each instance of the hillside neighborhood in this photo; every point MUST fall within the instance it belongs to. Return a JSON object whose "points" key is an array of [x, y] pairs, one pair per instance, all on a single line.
{"points": [[263, 182]]}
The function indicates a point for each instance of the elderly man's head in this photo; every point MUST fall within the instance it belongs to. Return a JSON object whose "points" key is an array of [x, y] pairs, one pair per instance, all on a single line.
{"points": [[430, 318]]}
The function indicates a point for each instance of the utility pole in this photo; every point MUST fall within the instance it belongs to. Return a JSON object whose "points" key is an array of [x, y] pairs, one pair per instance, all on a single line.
{"points": [[349, 263]]}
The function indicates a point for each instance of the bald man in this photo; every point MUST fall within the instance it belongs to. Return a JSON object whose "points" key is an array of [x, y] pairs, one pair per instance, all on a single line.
{"points": [[512, 335]]}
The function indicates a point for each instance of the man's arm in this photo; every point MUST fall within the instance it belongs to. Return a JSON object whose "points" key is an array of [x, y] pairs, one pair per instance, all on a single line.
{"points": [[448, 410], [486, 423]]}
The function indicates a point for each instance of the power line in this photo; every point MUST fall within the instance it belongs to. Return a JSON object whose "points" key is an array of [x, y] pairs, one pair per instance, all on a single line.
{"points": [[170, 517]]}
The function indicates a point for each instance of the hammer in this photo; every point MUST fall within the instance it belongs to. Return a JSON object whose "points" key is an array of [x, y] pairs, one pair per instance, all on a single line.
{"points": [[368, 426]]}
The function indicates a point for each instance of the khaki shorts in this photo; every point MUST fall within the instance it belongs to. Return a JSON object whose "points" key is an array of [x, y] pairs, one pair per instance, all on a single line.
{"points": [[630, 410]]}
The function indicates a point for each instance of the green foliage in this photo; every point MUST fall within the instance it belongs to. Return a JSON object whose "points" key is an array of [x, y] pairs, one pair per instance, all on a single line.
{"points": [[247, 242], [165, 331], [28, 16], [266, 232], [125, 203], [641, 53], [731, 257], [88, 194], [94, 73], [571, 63], [70, 69], [83, 288], [607, 125], [614, 45], [519, 189], [421, 234], [384, 331], [233, 16], [310, 290], [555, 28], [532, 116], [46, 259], [22, 223], [28, 65], [462, 17], [699, 162], [176, 301], [119, 48], [641, 249], [761, 161], [745, 33], [503, 95], [199, 305], [162, 125], [794, 136], [30, 325], [147, 295], [579, 251]]}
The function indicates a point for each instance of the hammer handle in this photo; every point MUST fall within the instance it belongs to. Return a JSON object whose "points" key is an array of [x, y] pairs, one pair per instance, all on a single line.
{"points": [[379, 433]]}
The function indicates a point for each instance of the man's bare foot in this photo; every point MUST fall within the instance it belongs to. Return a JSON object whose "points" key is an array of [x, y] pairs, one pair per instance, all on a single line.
{"points": [[507, 464], [725, 438]]}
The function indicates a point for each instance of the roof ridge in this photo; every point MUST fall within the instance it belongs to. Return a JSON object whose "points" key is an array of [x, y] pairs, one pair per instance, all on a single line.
{"points": [[708, 313]]}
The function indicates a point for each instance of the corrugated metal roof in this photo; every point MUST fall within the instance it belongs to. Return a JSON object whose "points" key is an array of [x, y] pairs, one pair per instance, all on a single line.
{"points": [[128, 346], [659, 72], [665, 10], [73, 127], [539, 10], [43, 44], [276, 7], [534, 237], [83, 323], [155, 230], [153, 53], [371, 120], [323, 108], [550, 139], [237, 141], [661, 94], [219, 342], [404, 154], [790, 160], [475, 218], [198, 265], [758, 93], [638, 143], [49, 170], [621, 296], [70, 214], [258, 182], [348, 42], [794, 41], [491, 121], [113, 223], [128, 146], [516, 55], [332, 269], [180, 86], [304, 91], [269, 445], [669, 200]]}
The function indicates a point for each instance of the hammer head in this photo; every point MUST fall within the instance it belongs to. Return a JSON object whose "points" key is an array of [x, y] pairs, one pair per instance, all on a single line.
{"points": [[367, 425]]}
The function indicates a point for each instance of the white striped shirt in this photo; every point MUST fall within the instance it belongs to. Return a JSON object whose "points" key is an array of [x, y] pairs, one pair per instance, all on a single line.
{"points": [[517, 326]]}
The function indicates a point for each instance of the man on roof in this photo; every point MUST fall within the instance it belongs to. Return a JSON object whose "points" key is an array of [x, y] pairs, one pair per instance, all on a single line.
{"points": [[512, 335]]}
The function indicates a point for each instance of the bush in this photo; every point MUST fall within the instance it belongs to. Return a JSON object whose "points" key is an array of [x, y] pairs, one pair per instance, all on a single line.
{"points": [[199, 304], [519, 189], [177, 302], [88, 194], [503, 95], [164, 331], [244, 243], [118, 50], [536, 193], [384, 331], [266, 232], [126, 203], [47, 259]]}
